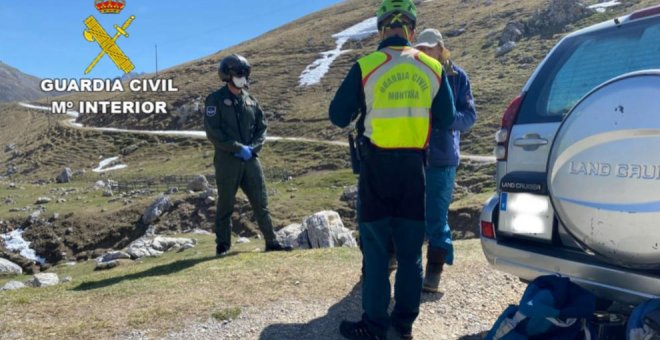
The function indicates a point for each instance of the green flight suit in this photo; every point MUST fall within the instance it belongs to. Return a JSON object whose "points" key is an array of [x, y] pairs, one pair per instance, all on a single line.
{"points": [[231, 122]]}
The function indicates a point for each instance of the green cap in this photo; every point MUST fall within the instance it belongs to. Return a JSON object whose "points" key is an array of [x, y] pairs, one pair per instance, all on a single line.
{"points": [[390, 8]]}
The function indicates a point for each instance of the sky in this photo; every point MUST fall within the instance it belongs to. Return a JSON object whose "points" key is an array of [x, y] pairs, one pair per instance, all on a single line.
{"points": [[45, 38]]}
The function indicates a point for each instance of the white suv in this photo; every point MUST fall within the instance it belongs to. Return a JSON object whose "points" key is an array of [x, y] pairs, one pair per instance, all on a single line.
{"points": [[578, 168]]}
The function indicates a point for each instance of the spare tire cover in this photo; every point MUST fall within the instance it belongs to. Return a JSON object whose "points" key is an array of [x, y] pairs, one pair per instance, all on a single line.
{"points": [[604, 171]]}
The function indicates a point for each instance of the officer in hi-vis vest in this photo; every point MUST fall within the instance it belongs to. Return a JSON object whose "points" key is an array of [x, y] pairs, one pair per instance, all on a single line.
{"points": [[236, 126], [397, 94]]}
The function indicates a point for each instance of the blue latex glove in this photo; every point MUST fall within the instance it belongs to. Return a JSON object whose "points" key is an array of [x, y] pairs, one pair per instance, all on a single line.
{"points": [[245, 153]]}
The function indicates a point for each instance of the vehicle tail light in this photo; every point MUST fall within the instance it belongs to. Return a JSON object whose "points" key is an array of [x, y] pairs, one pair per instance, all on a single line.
{"points": [[646, 12], [488, 229], [502, 136]]}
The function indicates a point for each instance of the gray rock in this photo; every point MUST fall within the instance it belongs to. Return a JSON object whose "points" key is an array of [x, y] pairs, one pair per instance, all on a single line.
{"points": [[12, 185], [242, 240], [65, 176], [13, 285], [200, 183], [555, 16], [142, 248], [45, 280], [9, 268], [169, 243], [294, 236], [326, 230], [455, 32], [43, 200], [106, 265], [107, 193], [171, 191], [100, 185], [210, 200], [350, 194], [11, 170], [10, 147], [33, 218], [504, 49], [512, 32], [210, 192], [113, 255], [156, 209], [156, 246], [67, 279]]}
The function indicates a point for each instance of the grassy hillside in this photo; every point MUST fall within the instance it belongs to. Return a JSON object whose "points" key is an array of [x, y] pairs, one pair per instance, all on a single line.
{"points": [[281, 55]]}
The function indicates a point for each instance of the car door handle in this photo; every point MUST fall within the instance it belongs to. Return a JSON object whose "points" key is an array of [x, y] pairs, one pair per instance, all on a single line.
{"points": [[526, 142]]}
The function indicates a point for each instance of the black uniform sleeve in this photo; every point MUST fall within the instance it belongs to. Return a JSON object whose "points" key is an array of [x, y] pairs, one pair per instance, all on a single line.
{"points": [[214, 130], [260, 128], [349, 99], [443, 110]]}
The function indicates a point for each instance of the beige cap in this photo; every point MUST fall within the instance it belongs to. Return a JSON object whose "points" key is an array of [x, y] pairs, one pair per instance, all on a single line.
{"points": [[430, 37]]}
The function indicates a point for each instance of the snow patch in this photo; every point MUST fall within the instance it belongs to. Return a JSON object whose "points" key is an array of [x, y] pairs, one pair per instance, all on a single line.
{"points": [[15, 242], [603, 6], [314, 72], [103, 165]]}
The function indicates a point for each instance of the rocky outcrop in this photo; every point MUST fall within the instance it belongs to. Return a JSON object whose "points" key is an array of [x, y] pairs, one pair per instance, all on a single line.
{"points": [[200, 183], [350, 196], [156, 246], [13, 285], [106, 265], [65, 176], [113, 256], [326, 230], [44, 280], [554, 18], [9, 268], [156, 209], [43, 200], [321, 230], [291, 236]]}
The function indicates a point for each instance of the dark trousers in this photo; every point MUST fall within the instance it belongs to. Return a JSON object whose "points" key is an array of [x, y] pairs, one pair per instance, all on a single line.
{"points": [[391, 208], [230, 174]]}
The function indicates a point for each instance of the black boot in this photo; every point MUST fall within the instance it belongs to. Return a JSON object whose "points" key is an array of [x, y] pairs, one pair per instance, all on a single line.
{"points": [[435, 261], [276, 246], [357, 331]]}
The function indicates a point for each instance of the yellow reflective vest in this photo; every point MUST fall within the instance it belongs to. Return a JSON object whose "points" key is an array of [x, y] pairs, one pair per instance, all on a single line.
{"points": [[400, 84]]}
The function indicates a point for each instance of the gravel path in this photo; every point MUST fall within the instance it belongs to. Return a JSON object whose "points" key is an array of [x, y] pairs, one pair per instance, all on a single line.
{"points": [[473, 297]]}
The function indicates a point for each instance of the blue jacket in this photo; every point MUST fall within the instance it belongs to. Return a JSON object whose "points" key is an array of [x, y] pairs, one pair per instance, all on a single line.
{"points": [[349, 102], [446, 143]]}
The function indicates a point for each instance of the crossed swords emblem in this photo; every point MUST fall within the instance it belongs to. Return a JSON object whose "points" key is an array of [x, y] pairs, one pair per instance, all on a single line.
{"points": [[95, 32]]}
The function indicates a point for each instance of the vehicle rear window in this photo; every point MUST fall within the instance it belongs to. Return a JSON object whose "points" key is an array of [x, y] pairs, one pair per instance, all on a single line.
{"points": [[583, 62]]}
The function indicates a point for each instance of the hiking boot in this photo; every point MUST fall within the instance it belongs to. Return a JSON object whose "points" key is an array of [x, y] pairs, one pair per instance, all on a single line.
{"points": [[357, 331], [394, 334], [221, 251], [435, 261], [278, 247]]}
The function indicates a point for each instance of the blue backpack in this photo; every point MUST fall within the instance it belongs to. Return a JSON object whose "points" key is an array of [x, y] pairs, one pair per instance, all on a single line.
{"points": [[552, 307], [641, 324]]}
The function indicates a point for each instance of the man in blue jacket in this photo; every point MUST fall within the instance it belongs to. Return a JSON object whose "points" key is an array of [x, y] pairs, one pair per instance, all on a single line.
{"points": [[443, 161], [396, 94]]}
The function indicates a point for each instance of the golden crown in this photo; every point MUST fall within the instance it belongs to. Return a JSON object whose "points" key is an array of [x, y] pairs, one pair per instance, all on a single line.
{"points": [[110, 6]]}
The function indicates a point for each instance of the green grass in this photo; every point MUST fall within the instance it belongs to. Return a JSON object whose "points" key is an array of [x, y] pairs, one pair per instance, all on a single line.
{"points": [[149, 292], [226, 314]]}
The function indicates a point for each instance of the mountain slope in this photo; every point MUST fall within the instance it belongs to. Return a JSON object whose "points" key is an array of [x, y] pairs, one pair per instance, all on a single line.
{"points": [[16, 85], [280, 56]]}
